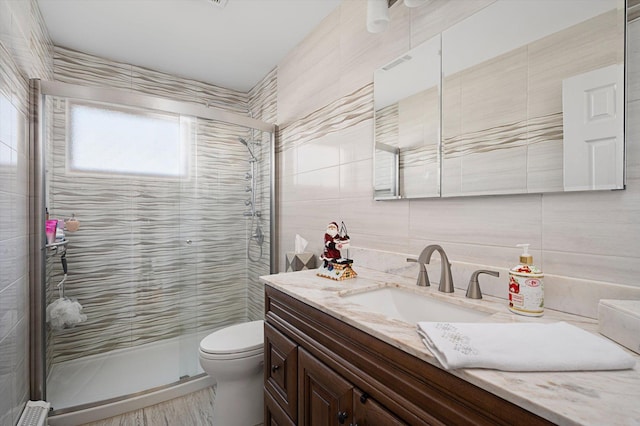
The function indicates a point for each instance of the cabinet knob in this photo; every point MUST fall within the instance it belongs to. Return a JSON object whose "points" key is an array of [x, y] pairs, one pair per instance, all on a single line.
{"points": [[275, 368], [363, 398], [342, 416]]}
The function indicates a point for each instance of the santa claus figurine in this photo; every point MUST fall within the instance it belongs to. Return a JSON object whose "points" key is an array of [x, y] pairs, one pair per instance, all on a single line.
{"points": [[334, 241], [334, 266]]}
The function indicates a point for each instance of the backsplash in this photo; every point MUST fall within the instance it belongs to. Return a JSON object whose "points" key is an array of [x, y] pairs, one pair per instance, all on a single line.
{"points": [[565, 294]]}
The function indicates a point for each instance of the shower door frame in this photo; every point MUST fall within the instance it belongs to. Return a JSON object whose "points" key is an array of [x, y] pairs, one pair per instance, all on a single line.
{"points": [[39, 89]]}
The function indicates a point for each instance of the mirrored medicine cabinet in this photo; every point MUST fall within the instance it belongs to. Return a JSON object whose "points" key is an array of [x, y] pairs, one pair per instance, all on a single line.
{"points": [[522, 97]]}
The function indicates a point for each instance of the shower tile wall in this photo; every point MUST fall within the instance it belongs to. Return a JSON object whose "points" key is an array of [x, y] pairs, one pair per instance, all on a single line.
{"points": [[588, 240], [129, 264], [25, 51], [75, 67]]}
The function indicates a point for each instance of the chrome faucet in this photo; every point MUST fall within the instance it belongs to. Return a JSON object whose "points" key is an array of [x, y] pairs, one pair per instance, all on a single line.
{"points": [[446, 280]]}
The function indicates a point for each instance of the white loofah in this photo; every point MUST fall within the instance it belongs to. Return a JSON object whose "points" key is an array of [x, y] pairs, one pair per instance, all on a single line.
{"points": [[64, 313]]}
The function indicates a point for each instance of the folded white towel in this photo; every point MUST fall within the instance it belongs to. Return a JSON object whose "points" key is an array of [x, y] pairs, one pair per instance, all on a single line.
{"points": [[521, 347]]}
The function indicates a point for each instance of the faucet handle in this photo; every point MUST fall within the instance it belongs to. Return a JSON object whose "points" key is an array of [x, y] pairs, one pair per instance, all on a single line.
{"points": [[473, 291], [423, 277]]}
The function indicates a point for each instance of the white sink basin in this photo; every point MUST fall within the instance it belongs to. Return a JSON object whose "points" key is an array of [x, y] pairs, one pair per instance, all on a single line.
{"points": [[412, 307]]}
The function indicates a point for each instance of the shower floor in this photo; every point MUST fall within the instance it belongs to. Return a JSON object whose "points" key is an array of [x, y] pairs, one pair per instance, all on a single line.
{"points": [[122, 372]]}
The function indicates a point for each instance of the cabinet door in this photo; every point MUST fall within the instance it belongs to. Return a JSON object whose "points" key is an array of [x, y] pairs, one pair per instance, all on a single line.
{"points": [[367, 412], [281, 370], [325, 398]]}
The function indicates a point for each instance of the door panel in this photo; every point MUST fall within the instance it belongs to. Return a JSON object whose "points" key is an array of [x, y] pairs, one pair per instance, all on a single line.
{"points": [[593, 125]]}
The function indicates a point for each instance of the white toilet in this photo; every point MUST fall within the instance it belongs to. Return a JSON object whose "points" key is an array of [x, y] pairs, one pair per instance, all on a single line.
{"points": [[234, 358]]}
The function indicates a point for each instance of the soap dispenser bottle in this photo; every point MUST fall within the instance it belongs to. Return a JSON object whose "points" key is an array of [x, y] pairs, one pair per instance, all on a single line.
{"points": [[526, 291]]}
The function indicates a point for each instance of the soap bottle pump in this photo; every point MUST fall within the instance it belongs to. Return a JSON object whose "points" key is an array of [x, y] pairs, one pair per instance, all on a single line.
{"points": [[526, 290]]}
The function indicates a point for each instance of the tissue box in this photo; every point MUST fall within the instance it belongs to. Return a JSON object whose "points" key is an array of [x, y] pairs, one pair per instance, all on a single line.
{"points": [[619, 320], [300, 261]]}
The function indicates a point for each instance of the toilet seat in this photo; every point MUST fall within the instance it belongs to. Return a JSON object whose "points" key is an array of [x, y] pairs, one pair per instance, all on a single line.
{"points": [[236, 341]]}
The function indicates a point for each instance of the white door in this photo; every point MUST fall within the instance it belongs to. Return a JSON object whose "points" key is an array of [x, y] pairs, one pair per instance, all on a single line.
{"points": [[593, 111]]}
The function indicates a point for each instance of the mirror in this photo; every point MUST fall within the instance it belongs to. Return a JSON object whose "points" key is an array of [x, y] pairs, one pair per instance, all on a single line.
{"points": [[511, 123], [407, 124], [532, 101]]}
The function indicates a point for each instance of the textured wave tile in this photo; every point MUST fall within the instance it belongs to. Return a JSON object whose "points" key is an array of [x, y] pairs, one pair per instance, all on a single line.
{"points": [[75, 67], [338, 115], [170, 87]]}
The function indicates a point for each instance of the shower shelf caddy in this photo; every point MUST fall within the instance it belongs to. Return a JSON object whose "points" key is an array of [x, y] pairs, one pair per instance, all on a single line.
{"points": [[58, 247]]}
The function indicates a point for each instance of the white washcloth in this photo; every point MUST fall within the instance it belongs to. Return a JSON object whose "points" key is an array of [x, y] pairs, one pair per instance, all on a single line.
{"points": [[521, 347]]}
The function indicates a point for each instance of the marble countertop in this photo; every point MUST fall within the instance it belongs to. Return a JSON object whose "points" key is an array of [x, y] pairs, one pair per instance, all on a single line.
{"points": [[566, 398]]}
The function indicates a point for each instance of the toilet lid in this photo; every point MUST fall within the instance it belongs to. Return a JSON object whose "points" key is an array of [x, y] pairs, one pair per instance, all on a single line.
{"points": [[245, 337]]}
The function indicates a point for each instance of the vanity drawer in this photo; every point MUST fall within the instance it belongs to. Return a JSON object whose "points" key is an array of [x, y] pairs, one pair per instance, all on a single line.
{"points": [[281, 369], [274, 415]]}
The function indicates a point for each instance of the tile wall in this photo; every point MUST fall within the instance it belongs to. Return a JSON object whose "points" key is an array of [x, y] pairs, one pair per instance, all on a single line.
{"points": [[25, 52], [587, 243]]}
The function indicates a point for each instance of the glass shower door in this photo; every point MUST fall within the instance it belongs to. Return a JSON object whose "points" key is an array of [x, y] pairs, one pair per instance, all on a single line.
{"points": [[125, 262], [189, 243], [165, 253]]}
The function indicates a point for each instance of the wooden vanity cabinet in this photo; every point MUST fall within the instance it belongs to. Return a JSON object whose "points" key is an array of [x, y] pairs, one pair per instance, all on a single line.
{"points": [[331, 373]]}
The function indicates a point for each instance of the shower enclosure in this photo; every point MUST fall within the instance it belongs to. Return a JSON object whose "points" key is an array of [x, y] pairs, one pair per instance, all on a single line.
{"points": [[174, 202]]}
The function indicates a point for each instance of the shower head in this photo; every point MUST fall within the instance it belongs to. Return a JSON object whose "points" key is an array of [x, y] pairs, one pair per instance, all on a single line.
{"points": [[245, 143], [249, 142]]}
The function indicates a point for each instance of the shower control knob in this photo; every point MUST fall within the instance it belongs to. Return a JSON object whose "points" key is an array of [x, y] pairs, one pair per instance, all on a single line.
{"points": [[189, 242]]}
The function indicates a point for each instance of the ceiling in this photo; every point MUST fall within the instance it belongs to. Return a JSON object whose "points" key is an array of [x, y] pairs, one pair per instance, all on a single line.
{"points": [[233, 47]]}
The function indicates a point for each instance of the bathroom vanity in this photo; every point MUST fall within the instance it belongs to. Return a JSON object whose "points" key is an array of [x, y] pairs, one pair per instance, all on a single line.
{"points": [[331, 361]]}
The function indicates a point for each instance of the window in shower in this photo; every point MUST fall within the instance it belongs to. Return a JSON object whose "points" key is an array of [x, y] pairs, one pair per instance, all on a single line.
{"points": [[114, 139]]}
